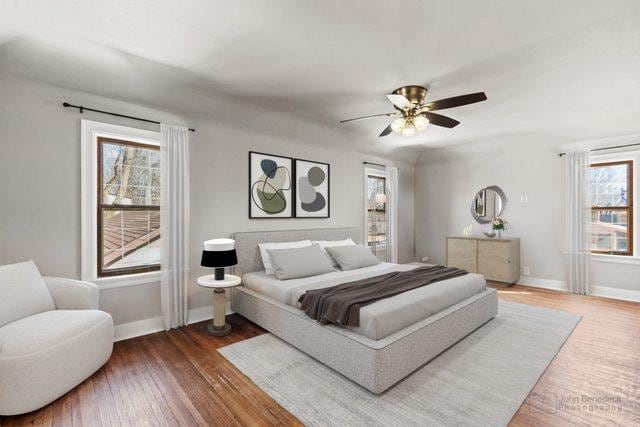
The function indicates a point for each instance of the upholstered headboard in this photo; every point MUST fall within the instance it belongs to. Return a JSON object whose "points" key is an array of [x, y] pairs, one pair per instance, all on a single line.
{"points": [[249, 254]]}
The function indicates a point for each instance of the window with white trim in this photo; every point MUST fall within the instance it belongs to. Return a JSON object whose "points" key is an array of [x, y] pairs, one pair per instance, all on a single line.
{"points": [[612, 197], [120, 203], [376, 210]]}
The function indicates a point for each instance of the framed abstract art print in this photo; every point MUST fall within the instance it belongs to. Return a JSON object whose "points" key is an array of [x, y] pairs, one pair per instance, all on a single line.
{"points": [[270, 186], [312, 187]]}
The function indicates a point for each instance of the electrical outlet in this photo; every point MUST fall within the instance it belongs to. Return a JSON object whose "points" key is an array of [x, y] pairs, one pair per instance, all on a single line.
{"points": [[425, 258], [525, 271]]}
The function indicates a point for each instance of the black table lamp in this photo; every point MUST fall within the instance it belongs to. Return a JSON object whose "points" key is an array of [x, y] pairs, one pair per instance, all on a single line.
{"points": [[219, 253]]}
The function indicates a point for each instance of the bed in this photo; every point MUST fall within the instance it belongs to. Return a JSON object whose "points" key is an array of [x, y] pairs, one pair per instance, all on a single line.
{"points": [[395, 336], [383, 317]]}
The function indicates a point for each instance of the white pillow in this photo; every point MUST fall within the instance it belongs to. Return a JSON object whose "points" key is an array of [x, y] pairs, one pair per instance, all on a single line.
{"points": [[23, 293], [266, 258], [330, 244], [299, 262], [352, 257]]}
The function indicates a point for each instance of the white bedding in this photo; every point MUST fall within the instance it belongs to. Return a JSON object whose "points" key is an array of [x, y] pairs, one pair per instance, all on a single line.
{"points": [[381, 318]]}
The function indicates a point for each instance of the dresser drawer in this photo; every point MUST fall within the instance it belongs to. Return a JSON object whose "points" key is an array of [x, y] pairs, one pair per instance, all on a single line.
{"points": [[462, 253], [494, 260]]}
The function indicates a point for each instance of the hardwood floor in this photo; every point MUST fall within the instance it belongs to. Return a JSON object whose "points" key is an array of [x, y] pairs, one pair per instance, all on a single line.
{"points": [[168, 378], [177, 377], [600, 360]]}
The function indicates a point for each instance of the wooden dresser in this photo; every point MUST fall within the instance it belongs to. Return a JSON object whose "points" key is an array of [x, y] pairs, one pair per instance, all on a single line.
{"points": [[496, 259]]}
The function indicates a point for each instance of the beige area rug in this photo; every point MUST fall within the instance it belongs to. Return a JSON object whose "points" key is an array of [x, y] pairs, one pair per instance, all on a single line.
{"points": [[481, 380]]}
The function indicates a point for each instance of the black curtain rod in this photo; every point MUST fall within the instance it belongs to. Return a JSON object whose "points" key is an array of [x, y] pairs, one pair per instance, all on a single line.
{"points": [[608, 148], [376, 164], [82, 109]]}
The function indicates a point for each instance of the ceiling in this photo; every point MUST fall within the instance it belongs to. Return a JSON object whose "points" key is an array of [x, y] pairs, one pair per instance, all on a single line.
{"points": [[564, 70]]}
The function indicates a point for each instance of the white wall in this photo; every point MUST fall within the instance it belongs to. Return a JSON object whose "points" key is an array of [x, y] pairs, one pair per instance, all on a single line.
{"points": [[219, 190], [447, 179], [40, 190]]}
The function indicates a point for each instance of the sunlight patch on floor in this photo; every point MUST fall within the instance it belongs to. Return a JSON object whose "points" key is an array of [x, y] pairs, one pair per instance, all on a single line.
{"points": [[515, 292]]}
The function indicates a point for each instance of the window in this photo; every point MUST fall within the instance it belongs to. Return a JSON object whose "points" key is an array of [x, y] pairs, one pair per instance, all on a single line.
{"points": [[120, 201], [611, 195], [128, 211], [376, 210]]}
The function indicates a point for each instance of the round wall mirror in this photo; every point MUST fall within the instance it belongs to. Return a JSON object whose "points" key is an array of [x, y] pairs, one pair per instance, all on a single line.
{"points": [[487, 204]]}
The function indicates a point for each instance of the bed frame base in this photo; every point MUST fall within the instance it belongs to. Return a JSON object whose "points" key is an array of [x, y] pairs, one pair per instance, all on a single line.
{"points": [[374, 364]]}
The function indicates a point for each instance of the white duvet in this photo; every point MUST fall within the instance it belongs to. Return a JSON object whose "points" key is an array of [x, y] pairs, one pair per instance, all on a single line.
{"points": [[381, 318]]}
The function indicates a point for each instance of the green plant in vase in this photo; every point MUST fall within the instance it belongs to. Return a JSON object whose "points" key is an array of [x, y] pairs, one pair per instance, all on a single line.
{"points": [[499, 225]]}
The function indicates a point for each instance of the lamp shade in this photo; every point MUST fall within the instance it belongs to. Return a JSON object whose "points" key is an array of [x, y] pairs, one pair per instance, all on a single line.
{"points": [[219, 253], [219, 245], [219, 258]]}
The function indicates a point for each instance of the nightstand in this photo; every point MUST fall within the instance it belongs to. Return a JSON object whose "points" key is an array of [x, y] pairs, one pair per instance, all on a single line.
{"points": [[218, 326]]}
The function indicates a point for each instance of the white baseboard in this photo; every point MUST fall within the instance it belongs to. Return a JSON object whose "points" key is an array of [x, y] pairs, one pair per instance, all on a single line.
{"points": [[152, 325], [536, 282], [205, 313], [124, 331], [596, 291], [615, 293]]}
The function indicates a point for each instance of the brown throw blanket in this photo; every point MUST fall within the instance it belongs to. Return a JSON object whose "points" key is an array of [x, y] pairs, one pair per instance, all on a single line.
{"points": [[341, 304]]}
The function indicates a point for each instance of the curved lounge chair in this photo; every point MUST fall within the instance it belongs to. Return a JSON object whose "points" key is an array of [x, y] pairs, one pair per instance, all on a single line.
{"points": [[52, 337]]}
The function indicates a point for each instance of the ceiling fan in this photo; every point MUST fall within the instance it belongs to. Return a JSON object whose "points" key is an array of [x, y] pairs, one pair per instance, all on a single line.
{"points": [[414, 115]]}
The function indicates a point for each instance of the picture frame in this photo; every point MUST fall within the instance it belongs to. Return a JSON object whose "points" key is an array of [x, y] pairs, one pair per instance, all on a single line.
{"points": [[271, 193], [312, 189]]}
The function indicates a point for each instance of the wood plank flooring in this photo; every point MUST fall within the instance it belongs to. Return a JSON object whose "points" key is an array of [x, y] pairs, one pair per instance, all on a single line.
{"points": [[177, 377], [600, 360]]}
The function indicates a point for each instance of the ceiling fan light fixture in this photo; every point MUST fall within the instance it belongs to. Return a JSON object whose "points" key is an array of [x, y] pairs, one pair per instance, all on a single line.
{"points": [[420, 123], [397, 125], [408, 129], [415, 115]]}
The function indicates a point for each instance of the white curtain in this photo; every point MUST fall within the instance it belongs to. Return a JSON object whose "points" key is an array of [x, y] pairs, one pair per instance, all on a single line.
{"points": [[174, 220], [392, 214], [578, 221]]}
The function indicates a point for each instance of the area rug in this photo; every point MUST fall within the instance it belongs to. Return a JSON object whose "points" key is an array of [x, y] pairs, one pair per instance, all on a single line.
{"points": [[481, 380]]}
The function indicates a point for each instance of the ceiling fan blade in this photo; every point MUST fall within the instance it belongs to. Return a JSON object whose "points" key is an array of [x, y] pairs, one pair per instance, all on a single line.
{"points": [[386, 131], [370, 117], [440, 120], [456, 101], [399, 101]]}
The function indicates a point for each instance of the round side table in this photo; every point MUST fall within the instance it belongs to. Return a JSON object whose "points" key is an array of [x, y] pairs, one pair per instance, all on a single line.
{"points": [[218, 327]]}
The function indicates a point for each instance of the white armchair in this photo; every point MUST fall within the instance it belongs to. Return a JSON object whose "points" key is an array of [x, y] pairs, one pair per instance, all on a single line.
{"points": [[52, 337]]}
